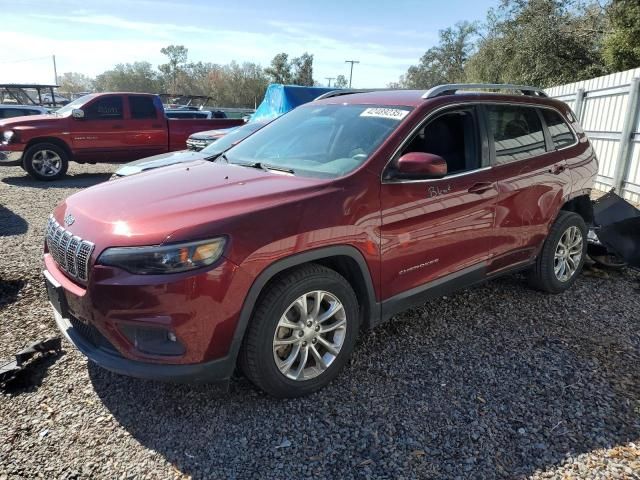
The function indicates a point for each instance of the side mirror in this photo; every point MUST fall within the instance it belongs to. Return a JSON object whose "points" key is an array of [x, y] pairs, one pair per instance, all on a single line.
{"points": [[420, 164], [77, 113]]}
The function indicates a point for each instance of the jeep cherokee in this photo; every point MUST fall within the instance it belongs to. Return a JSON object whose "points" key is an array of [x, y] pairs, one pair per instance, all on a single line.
{"points": [[324, 223]]}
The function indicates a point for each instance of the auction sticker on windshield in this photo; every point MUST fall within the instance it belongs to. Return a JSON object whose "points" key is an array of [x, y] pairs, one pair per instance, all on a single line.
{"points": [[391, 113]]}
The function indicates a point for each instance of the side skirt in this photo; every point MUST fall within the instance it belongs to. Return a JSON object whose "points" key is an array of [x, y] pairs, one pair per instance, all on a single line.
{"points": [[442, 286]]}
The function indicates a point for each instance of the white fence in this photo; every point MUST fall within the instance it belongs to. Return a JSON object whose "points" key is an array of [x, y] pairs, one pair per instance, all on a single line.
{"points": [[609, 110]]}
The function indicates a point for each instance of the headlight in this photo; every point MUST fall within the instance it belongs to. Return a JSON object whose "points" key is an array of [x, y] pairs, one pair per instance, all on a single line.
{"points": [[7, 136], [179, 257]]}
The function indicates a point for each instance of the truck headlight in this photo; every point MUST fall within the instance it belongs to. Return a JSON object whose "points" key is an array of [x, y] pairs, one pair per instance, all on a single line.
{"points": [[179, 257], [7, 136]]}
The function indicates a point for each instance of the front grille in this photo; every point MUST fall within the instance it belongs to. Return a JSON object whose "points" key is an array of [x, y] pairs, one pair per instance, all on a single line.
{"points": [[197, 145], [71, 253], [91, 334]]}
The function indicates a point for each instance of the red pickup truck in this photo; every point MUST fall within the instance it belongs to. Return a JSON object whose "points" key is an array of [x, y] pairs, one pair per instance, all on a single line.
{"points": [[101, 127]]}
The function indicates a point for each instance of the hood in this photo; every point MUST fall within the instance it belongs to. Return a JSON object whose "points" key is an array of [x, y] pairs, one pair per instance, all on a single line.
{"points": [[157, 161], [208, 134], [23, 123], [146, 209]]}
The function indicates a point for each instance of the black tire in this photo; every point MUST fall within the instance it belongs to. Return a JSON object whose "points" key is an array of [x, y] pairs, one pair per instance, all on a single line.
{"points": [[542, 276], [31, 154], [257, 354]]}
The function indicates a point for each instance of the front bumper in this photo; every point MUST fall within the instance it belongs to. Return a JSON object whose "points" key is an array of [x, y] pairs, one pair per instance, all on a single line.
{"points": [[214, 371], [201, 311], [10, 158]]}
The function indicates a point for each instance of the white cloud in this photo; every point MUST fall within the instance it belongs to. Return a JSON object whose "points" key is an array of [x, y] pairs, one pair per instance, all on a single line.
{"points": [[142, 41]]}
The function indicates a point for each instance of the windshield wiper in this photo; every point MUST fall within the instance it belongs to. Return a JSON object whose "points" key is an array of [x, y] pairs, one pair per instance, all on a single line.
{"points": [[216, 156], [277, 168], [263, 166]]}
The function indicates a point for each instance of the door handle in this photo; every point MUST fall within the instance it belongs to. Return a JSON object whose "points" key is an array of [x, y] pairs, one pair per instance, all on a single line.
{"points": [[557, 169], [480, 187]]}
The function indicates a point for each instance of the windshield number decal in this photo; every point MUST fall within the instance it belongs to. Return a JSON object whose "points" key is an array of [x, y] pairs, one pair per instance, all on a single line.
{"points": [[390, 113]]}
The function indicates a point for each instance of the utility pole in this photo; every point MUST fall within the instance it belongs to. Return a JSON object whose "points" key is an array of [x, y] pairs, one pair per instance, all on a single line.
{"points": [[351, 74], [330, 78], [55, 71]]}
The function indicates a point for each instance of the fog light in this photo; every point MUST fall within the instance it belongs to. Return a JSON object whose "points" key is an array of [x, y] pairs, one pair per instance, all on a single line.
{"points": [[153, 340]]}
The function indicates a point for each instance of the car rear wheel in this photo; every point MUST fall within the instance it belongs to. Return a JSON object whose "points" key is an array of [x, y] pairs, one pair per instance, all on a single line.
{"points": [[562, 255], [302, 332], [46, 161]]}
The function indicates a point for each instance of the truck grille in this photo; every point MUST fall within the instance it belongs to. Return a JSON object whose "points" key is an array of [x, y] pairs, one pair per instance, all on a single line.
{"points": [[71, 253], [196, 144]]}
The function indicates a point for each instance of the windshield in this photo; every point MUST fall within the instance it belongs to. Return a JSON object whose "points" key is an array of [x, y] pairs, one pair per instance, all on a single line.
{"points": [[230, 139], [320, 140], [77, 103]]}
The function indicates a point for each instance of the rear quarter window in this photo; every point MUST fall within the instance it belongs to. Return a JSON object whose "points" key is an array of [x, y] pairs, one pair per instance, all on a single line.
{"points": [[517, 132], [561, 134]]}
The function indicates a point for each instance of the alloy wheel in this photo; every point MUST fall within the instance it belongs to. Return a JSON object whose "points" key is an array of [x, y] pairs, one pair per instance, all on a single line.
{"points": [[46, 163], [309, 335], [568, 254]]}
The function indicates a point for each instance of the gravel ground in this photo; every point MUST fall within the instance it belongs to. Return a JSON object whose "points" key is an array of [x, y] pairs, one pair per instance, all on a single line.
{"points": [[495, 382]]}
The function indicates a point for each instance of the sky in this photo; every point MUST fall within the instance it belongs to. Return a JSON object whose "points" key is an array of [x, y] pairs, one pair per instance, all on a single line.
{"points": [[92, 36]]}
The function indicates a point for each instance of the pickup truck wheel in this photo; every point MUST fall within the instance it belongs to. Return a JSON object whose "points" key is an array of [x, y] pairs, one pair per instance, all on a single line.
{"points": [[45, 161], [562, 255], [302, 332]]}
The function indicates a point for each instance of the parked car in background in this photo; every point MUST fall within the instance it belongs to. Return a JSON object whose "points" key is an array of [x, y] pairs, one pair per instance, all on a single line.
{"points": [[199, 140], [278, 100], [101, 127], [325, 223], [48, 99], [211, 152], [10, 111], [189, 113]]}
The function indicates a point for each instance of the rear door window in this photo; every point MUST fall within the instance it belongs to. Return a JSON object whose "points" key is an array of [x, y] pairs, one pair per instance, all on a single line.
{"points": [[560, 132], [141, 107], [517, 132]]}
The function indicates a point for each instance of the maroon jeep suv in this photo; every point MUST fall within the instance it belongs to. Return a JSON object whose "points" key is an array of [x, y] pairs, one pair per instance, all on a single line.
{"points": [[277, 254]]}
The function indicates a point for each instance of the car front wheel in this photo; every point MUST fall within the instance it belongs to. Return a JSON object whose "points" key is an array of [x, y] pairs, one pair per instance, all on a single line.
{"points": [[302, 333], [45, 161]]}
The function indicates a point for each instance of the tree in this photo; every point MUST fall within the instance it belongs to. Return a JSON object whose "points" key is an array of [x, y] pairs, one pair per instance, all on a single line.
{"points": [[73, 82], [129, 77], [280, 69], [444, 63], [622, 44], [177, 56], [539, 42], [302, 70], [341, 82]]}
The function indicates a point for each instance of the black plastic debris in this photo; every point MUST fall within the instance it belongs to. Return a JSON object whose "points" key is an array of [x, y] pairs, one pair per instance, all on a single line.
{"points": [[617, 226], [9, 369]]}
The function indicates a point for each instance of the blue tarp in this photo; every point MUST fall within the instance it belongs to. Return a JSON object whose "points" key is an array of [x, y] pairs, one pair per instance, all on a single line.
{"points": [[279, 99]]}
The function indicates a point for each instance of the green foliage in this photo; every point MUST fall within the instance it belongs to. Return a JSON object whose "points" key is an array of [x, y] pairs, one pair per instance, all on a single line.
{"points": [[445, 62], [303, 70], [298, 71], [536, 42], [539, 42], [73, 82], [129, 77], [280, 69], [622, 43], [341, 82], [175, 67]]}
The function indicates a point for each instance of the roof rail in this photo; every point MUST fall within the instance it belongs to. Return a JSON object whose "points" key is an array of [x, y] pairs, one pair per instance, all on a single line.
{"points": [[452, 88], [346, 91]]}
